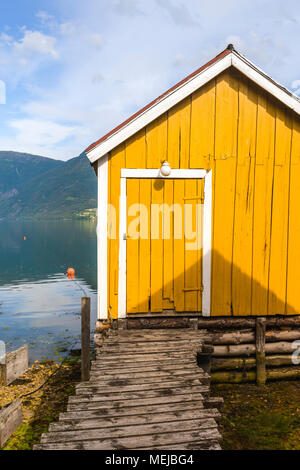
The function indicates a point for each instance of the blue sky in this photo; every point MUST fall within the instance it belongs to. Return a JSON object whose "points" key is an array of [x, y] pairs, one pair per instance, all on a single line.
{"points": [[73, 69]]}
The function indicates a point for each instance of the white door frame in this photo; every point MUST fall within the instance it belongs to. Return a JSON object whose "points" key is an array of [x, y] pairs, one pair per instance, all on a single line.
{"points": [[206, 241]]}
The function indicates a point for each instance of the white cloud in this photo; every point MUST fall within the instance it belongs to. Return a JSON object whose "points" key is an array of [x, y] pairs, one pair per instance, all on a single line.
{"points": [[296, 86], [96, 40], [89, 68], [44, 17], [36, 42], [42, 137], [97, 78], [47, 132], [6, 39], [68, 28], [179, 13], [128, 7]]}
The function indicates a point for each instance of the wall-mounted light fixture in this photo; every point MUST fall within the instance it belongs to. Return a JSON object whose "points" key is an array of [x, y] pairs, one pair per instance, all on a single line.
{"points": [[165, 169]]}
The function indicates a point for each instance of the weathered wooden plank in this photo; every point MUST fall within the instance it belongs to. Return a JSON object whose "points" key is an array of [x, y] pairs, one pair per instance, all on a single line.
{"points": [[135, 150], [156, 247], [132, 442], [117, 395], [203, 126], [151, 353], [132, 247], [226, 123], [149, 371], [169, 332], [144, 251], [162, 345], [192, 245], [157, 339], [143, 367], [124, 366], [156, 141], [168, 245], [166, 333], [108, 422], [123, 358], [16, 364], [248, 322], [240, 337], [279, 373], [214, 402], [208, 445], [244, 197], [280, 213], [87, 389], [108, 358], [125, 352], [10, 420], [179, 134], [97, 405], [264, 170], [235, 363], [153, 408], [293, 291], [249, 349], [126, 431], [139, 363], [144, 378], [150, 349]]}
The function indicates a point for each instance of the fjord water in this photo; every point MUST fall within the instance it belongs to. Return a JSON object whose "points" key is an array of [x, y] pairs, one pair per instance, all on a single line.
{"points": [[39, 305]]}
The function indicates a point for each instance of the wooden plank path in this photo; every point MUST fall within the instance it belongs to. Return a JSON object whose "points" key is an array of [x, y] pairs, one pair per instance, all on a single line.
{"points": [[145, 391]]}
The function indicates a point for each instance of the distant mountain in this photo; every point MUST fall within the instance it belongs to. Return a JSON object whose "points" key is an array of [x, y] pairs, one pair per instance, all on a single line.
{"points": [[17, 168], [37, 187]]}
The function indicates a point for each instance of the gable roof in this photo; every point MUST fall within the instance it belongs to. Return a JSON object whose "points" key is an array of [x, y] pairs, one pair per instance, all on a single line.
{"points": [[228, 58]]}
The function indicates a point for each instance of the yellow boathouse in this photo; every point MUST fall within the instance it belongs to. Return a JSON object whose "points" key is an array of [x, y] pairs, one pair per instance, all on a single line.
{"points": [[199, 197]]}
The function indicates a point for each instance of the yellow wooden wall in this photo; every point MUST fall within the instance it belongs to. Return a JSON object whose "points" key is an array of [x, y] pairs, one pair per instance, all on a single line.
{"points": [[252, 144]]}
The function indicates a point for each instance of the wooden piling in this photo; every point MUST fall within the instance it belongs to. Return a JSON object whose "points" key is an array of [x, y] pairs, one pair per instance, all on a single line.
{"points": [[85, 338], [260, 340]]}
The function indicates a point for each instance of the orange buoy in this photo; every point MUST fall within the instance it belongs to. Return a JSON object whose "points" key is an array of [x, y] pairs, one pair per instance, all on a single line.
{"points": [[71, 273], [25, 238]]}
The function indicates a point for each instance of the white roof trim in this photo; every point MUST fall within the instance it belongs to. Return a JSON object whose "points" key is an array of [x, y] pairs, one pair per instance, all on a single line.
{"points": [[264, 81], [175, 96]]}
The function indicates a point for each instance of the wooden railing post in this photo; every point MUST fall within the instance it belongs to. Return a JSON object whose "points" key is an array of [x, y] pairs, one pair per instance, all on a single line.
{"points": [[260, 340], [85, 338]]}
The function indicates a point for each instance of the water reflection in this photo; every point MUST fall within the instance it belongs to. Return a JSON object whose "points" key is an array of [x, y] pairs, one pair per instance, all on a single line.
{"points": [[38, 304]]}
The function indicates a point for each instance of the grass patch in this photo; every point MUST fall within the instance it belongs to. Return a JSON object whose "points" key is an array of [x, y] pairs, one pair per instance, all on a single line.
{"points": [[260, 418]]}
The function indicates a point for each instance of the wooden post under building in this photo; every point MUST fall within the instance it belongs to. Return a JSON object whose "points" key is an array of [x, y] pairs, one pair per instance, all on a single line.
{"points": [[260, 351], [85, 338]]}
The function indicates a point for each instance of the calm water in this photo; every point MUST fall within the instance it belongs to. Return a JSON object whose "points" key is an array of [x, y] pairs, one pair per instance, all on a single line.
{"points": [[39, 306]]}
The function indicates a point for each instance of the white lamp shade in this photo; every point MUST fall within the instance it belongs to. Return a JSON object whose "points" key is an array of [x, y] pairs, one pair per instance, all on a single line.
{"points": [[165, 169]]}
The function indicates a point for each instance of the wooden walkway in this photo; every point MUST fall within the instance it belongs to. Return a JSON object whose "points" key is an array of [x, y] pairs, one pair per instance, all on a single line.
{"points": [[145, 391]]}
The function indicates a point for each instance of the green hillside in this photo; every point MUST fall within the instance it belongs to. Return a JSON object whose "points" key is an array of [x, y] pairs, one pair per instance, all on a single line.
{"points": [[38, 187], [17, 168]]}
